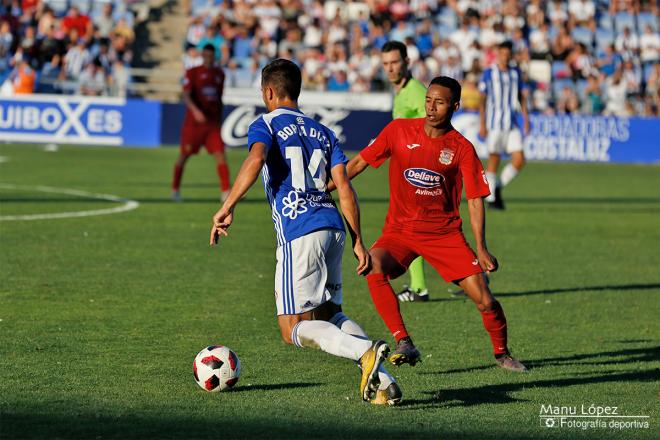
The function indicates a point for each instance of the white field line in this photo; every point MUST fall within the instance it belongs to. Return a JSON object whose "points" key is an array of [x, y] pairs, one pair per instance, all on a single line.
{"points": [[127, 205]]}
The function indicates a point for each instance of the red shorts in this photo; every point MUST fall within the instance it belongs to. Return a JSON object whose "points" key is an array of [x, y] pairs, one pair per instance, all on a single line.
{"points": [[449, 254], [194, 136]]}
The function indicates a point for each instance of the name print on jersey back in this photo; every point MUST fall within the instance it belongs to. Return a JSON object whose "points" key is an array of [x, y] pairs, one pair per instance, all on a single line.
{"points": [[301, 153]]}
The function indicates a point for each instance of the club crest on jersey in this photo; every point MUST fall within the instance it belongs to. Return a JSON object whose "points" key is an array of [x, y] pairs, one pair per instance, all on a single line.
{"points": [[446, 156], [423, 178]]}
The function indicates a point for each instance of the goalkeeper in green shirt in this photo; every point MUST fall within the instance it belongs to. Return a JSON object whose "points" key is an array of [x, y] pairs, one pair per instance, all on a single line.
{"points": [[409, 102]]}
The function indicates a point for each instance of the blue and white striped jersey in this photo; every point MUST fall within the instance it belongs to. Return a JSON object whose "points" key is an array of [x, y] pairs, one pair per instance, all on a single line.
{"points": [[501, 89], [301, 153]]}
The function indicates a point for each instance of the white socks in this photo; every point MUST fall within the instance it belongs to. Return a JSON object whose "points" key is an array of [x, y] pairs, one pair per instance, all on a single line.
{"points": [[351, 327], [492, 184], [329, 338], [508, 173]]}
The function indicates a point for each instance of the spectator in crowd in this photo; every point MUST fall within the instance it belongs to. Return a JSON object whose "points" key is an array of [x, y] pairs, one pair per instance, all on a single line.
{"points": [[649, 44], [80, 22], [456, 37], [470, 94], [616, 93], [75, 60], [105, 23], [593, 104], [23, 78], [568, 102], [92, 81]]}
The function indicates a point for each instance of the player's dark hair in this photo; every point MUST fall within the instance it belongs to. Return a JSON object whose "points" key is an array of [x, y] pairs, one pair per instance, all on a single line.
{"points": [[507, 44], [209, 46], [451, 84], [395, 45], [284, 77]]}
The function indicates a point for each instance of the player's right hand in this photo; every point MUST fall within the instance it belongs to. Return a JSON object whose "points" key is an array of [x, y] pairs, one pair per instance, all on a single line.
{"points": [[363, 257], [221, 222], [199, 116], [487, 261], [483, 133]]}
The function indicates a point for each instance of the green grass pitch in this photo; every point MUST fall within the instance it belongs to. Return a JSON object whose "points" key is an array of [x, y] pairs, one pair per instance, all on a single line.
{"points": [[100, 317]]}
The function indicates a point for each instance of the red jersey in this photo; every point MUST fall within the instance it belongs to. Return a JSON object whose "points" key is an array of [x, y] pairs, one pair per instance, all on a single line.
{"points": [[205, 87], [426, 176], [80, 23]]}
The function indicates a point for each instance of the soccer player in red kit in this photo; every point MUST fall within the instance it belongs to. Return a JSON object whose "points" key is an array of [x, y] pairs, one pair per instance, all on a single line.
{"points": [[430, 162], [202, 94]]}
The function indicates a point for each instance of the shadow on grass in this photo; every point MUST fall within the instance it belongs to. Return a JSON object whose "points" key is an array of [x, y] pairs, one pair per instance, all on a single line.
{"points": [[549, 291], [645, 354], [498, 394], [273, 386]]}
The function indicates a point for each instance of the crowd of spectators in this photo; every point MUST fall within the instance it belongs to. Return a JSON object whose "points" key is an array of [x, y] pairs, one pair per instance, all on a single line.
{"points": [[67, 46], [577, 56]]}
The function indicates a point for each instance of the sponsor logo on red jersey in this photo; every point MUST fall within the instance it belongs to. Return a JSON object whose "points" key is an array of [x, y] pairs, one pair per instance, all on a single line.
{"points": [[423, 178]]}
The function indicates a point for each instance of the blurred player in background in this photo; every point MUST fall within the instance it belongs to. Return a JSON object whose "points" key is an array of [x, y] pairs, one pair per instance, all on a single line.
{"points": [[408, 103], [424, 219], [202, 95], [296, 155], [502, 95]]}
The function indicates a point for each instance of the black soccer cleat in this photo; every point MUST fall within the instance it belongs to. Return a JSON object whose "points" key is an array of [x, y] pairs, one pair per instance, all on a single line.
{"points": [[409, 295], [405, 353], [498, 203]]}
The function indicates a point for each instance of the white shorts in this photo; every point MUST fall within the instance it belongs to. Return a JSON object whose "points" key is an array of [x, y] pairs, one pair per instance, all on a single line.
{"points": [[504, 141], [308, 272]]}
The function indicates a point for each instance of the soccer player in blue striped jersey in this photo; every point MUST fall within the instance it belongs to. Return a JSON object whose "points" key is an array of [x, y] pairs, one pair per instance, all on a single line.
{"points": [[503, 95], [296, 156]]}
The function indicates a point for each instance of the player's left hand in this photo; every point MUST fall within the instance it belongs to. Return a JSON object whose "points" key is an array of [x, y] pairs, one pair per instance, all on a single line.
{"points": [[487, 261], [221, 222]]}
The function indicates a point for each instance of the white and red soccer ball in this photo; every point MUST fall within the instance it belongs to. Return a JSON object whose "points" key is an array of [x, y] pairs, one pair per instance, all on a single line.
{"points": [[216, 368]]}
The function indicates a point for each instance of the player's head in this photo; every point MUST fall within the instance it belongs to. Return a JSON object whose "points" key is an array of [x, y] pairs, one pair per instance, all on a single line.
{"points": [[442, 100], [504, 53], [394, 57], [280, 81], [208, 55]]}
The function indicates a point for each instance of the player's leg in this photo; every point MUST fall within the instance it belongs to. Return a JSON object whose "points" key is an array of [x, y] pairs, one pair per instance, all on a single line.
{"points": [[417, 291], [455, 261], [515, 149], [190, 144], [304, 299], [178, 175], [215, 145], [493, 318], [389, 258], [389, 392], [494, 156]]}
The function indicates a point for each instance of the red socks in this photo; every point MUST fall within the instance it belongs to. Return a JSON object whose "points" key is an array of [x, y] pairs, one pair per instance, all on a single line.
{"points": [[495, 325], [386, 304], [176, 181], [223, 173]]}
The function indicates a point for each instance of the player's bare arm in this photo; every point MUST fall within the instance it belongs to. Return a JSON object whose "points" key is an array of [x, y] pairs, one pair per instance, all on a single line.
{"points": [[483, 131], [478, 221], [247, 175], [354, 167], [351, 211], [197, 113], [522, 97]]}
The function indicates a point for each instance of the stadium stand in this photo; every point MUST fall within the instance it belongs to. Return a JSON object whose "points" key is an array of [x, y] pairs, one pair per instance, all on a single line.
{"points": [[68, 46], [572, 53]]}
